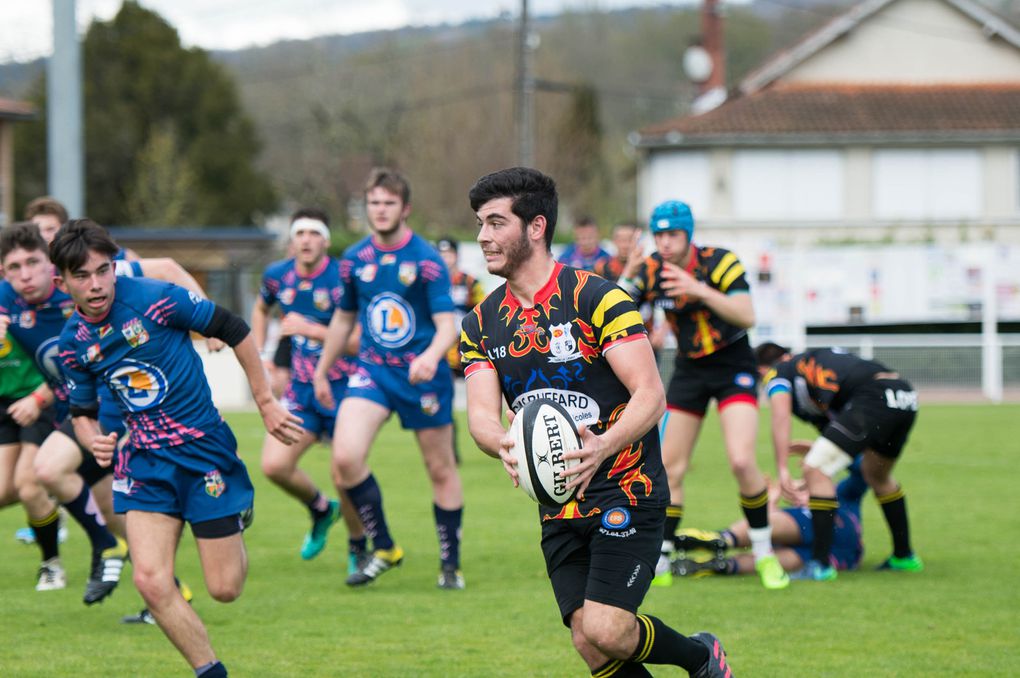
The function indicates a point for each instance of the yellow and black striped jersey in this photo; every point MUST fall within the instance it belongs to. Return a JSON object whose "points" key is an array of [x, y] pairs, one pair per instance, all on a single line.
{"points": [[556, 349], [699, 331]]}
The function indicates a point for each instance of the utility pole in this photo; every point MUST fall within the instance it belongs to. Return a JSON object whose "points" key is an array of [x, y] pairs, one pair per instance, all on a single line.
{"points": [[524, 91], [64, 112]]}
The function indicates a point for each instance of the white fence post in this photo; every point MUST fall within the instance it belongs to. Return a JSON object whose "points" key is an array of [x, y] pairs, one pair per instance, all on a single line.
{"points": [[991, 347]]}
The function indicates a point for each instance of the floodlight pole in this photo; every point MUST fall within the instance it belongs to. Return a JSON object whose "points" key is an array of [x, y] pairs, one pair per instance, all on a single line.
{"points": [[65, 154], [525, 90]]}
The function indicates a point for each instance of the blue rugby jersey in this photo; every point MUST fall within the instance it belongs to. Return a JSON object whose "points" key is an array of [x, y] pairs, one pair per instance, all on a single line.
{"points": [[141, 349], [395, 291], [37, 328], [314, 296]]}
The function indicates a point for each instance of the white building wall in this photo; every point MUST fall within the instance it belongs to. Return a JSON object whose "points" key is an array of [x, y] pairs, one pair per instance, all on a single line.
{"points": [[912, 41]]}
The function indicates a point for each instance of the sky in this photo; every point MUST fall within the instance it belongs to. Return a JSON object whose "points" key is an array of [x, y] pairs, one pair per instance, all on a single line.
{"points": [[26, 27]]}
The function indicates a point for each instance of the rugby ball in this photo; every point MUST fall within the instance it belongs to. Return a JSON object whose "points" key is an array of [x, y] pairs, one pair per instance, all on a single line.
{"points": [[543, 431]]}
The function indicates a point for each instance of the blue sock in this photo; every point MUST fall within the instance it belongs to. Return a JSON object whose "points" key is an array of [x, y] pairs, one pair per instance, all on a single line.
{"points": [[211, 670], [86, 511], [367, 499], [448, 531]]}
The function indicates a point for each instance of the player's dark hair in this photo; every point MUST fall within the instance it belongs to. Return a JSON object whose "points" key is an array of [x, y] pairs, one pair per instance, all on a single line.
{"points": [[46, 205], [21, 234], [585, 221], [392, 180], [310, 213], [769, 353], [531, 192], [70, 249]]}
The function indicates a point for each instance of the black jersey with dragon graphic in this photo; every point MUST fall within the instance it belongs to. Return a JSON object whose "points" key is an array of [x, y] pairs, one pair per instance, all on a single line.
{"points": [[556, 350], [699, 331], [821, 381]]}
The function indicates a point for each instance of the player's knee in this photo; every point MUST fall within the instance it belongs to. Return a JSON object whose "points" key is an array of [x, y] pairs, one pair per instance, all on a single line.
{"points": [[155, 586], [225, 591], [606, 634], [46, 472], [28, 488], [277, 469], [743, 466]]}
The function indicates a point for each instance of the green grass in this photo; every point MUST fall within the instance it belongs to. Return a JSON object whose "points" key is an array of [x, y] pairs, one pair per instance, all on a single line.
{"points": [[961, 616]]}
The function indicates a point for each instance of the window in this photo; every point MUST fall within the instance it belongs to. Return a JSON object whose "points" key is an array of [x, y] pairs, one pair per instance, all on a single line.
{"points": [[788, 184], [926, 183]]}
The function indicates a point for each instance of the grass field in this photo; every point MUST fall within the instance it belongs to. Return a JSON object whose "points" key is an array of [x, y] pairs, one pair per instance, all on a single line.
{"points": [[960, 617]]}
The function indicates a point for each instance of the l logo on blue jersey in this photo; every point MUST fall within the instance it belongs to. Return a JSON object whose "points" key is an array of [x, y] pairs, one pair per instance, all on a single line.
{"points": [[390, 320], [139, 385], [47, 357]]}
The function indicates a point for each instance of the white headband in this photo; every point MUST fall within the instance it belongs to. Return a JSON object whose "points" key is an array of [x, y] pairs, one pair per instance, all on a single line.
{"points": [[309, 224]]}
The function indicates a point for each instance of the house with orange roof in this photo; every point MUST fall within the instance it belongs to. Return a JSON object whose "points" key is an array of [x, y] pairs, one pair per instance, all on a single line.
{"points": [[898, 121]]}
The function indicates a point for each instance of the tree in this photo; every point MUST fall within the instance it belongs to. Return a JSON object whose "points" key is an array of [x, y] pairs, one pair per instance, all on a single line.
{"points": [[148, 99], [162, 191]]}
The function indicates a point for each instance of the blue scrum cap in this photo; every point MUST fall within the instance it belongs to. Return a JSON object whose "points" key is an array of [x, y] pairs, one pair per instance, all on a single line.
{"points": [[672, 215]]}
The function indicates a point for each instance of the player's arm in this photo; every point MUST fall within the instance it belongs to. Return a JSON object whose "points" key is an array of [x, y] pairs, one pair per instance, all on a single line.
{"points": [[734, 307], [423, 367], [339, 331], [296, 324], [634, 364], [25, 411], [260, 324], [484, 419], [236, 334], [781, 406]]}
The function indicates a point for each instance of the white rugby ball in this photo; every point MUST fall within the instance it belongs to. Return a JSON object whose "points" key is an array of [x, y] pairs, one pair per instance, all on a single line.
{"points": [[543, 431]]}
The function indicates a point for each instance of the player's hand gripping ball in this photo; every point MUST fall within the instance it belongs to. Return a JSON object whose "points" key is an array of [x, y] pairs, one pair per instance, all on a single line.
{"points": [[543, 431]]}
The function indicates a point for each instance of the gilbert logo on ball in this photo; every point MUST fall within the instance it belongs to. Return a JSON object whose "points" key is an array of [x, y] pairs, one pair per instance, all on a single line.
{"points": [[543, 432]]}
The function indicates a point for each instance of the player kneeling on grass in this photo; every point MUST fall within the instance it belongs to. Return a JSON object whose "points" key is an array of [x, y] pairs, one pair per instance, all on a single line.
{"points": [[180, 463], [861, 409], [562, 333]]}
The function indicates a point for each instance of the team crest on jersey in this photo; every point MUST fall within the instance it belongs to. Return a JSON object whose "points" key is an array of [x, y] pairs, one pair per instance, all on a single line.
{"points": [[105, 331], [430, 404], [67, 310], [304, 285], [287, 296], [27, 319], [387, 259], [744, 380], [562, 344], [214, 484], [367, 274], [390, 320], [139, 385], [320, 298], [92, 355], [407, 272], [134, 332]]}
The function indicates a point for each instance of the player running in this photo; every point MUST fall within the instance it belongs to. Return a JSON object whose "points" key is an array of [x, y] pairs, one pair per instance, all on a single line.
{"points": [[559, 332], [307, 287], [396, 284], [180, 462], [705, 297], [862, 408]]}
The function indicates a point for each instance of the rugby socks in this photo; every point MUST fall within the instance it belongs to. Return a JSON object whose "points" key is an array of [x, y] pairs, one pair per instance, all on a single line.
{"points": [[659, 644], [319, 506], [674, 514], [728, 537], [448, 531], [823, 516], [756, 511], [357, 545], [86, 511], [46, 530], [894, 506], [620, 669], [367, 499], [211, 670]]}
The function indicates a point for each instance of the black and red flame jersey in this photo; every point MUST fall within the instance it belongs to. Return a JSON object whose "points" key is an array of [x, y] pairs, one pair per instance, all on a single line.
{"points": [[556, 349], [699, 331], [821, 382]]}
